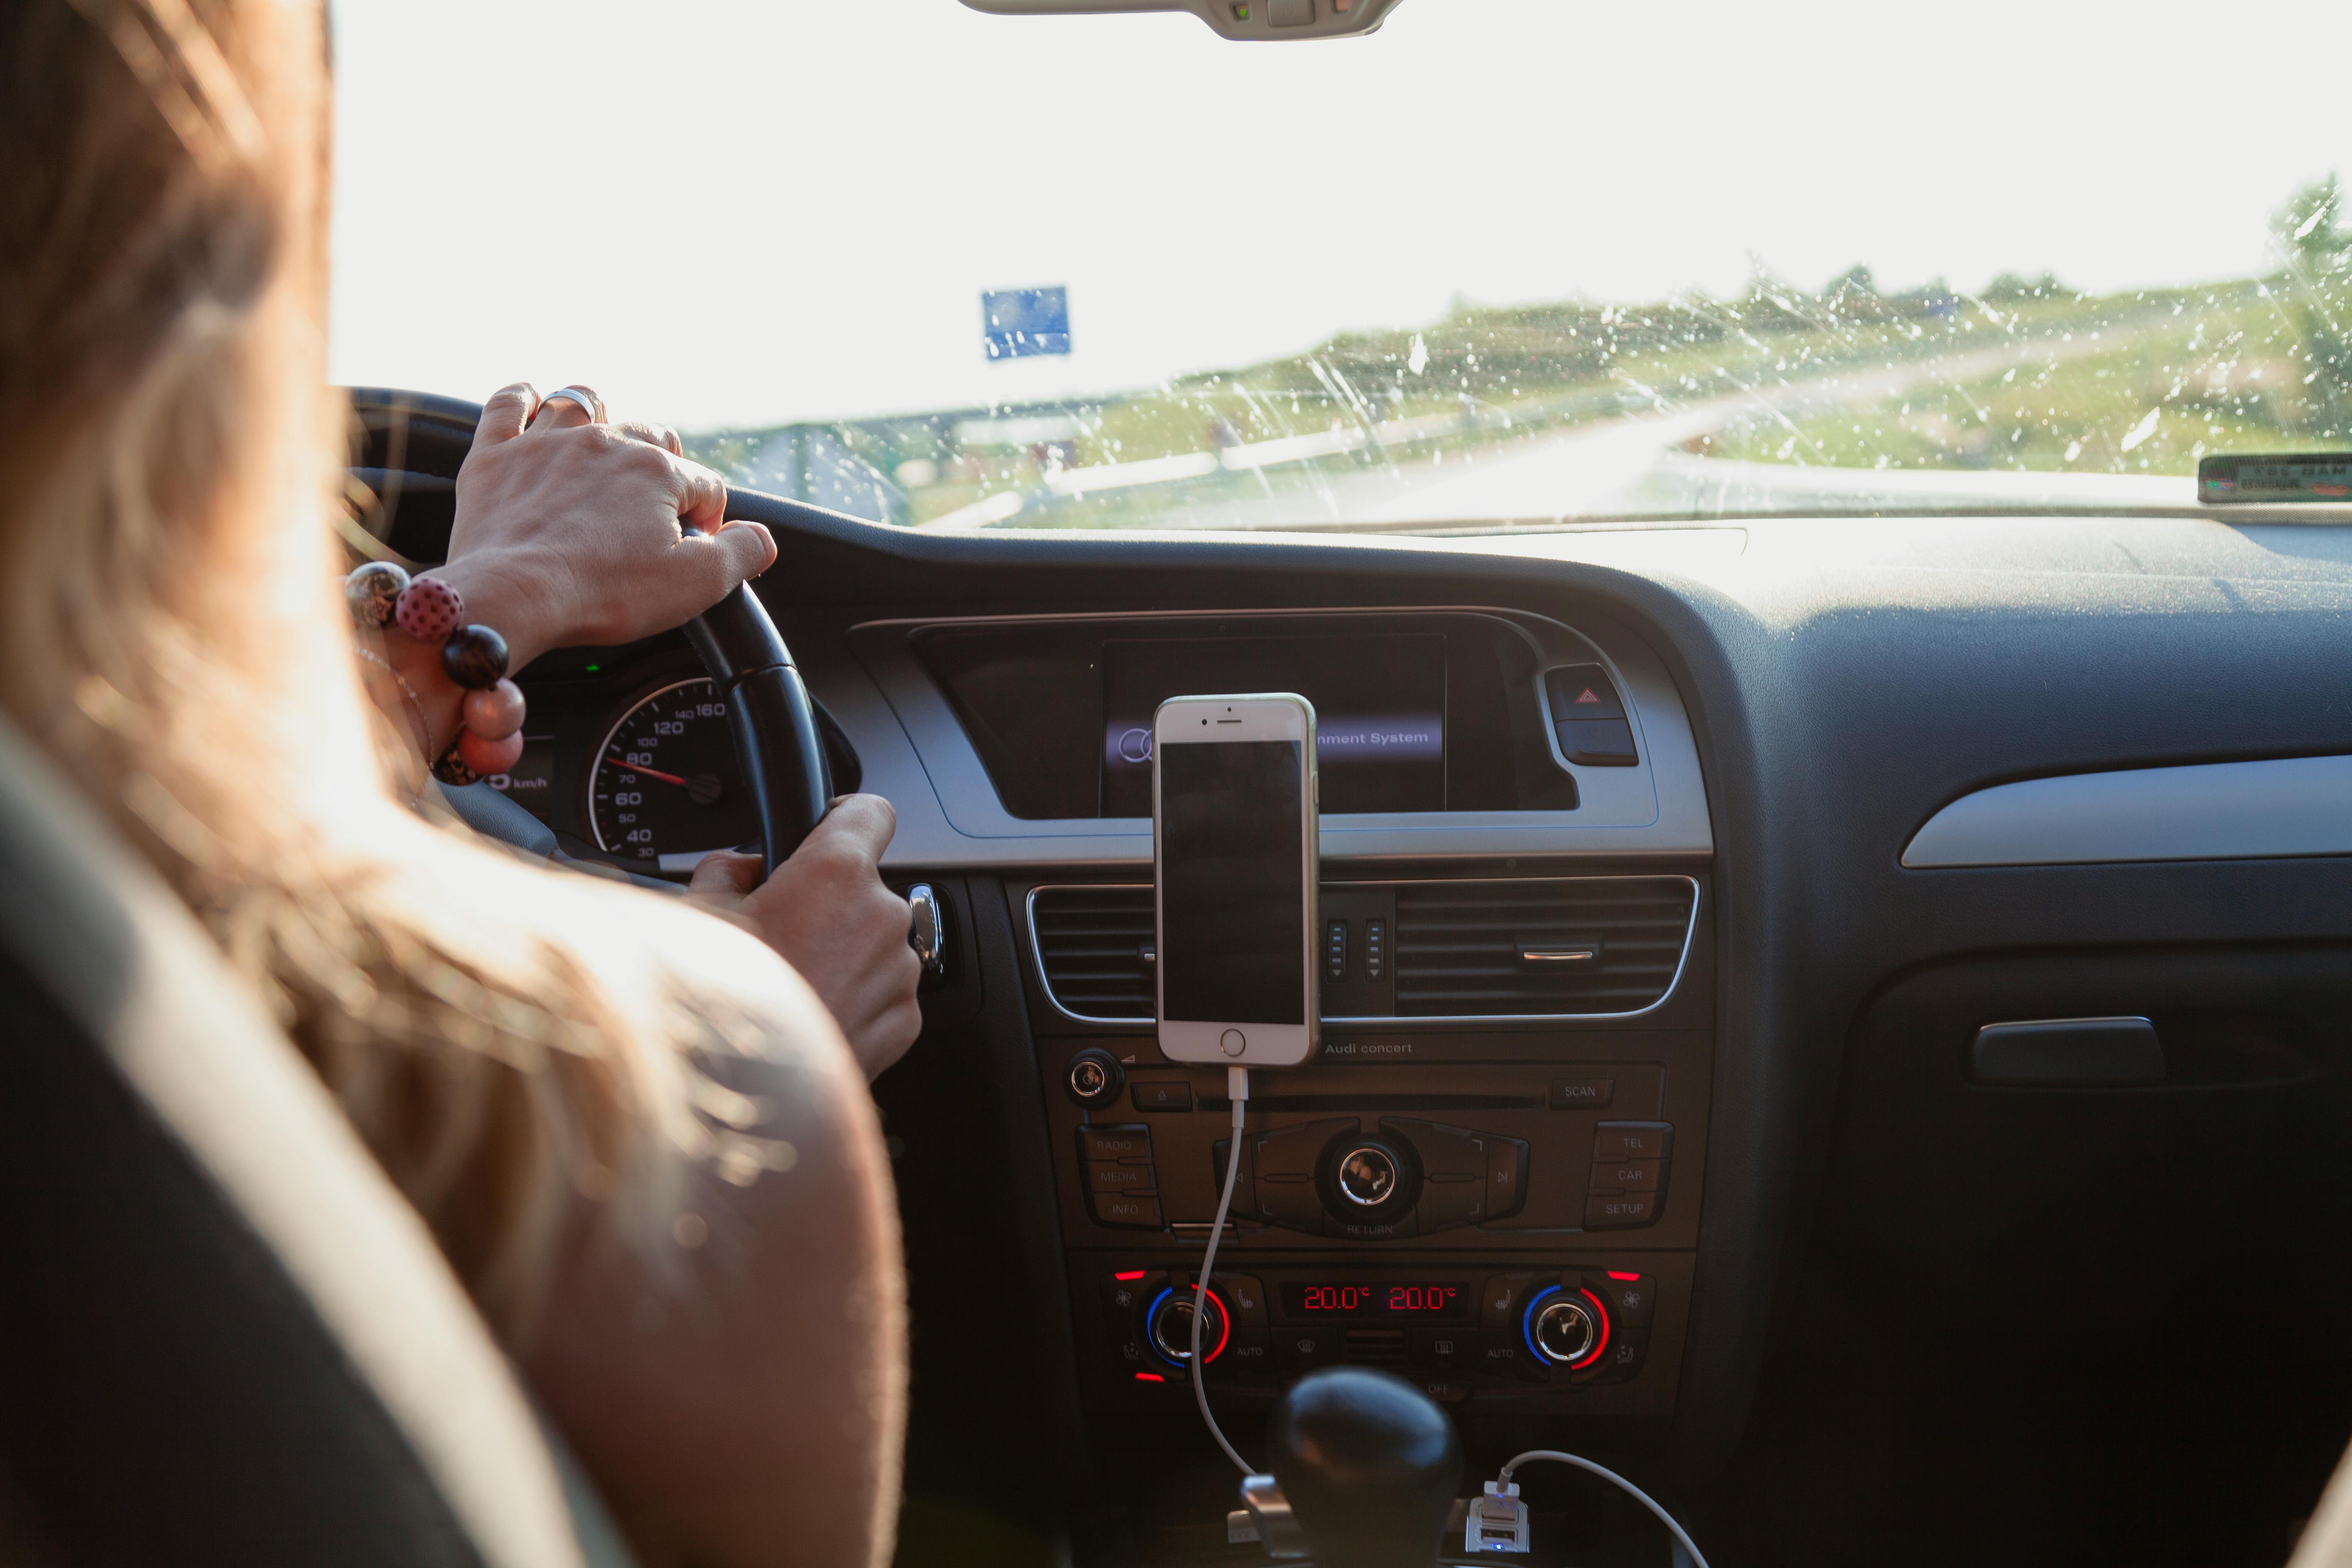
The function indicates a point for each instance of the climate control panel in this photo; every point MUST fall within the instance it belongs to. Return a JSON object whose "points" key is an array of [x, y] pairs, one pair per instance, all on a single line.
{"points": [[1455, 1333]]}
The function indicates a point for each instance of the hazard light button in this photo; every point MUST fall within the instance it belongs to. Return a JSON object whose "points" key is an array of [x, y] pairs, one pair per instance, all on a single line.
{"points": [[1582, 691]]}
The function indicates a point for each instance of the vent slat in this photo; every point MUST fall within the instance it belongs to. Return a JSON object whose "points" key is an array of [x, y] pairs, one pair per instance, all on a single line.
{"points": [[1457, 944], [1090, 943], [1454, 949]]}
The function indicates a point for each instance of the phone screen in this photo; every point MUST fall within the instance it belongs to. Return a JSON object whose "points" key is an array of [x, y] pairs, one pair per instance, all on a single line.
{"points": [[1231, 891]]}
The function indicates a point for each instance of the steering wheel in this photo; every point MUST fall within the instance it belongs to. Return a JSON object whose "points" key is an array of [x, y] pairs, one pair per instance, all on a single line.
{"points": [[414, 445], [774, 722]]}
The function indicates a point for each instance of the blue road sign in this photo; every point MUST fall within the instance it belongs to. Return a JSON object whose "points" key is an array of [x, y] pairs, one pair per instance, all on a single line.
{"points": [[1016, 322]]}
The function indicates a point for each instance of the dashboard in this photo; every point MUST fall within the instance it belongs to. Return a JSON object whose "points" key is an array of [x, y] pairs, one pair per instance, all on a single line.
{"points": [[1955, 1087]]}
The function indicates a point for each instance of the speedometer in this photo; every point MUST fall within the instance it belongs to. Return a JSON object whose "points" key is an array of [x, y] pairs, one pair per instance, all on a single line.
{"points": [[666, 788]]}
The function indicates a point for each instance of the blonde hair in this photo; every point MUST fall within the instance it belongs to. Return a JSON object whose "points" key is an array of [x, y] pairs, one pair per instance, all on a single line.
{"points": [[172, 634]]}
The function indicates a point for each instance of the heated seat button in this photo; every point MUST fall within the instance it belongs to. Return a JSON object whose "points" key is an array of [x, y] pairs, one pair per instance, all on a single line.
{"points": [[1616, 1211], [1597, 742], [1632, 1140], [1582, 691], [1629, 1176]]}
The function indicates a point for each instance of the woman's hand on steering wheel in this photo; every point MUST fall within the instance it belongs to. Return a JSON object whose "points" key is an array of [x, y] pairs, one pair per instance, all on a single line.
{"points": [[572, 533]]}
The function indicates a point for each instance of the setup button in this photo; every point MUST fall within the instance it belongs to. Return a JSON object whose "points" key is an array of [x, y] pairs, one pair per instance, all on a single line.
{"points": [[1233, 1042]]}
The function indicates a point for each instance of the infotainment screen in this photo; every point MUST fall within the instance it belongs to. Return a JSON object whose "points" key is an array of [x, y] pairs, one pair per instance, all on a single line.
{"points": [[1379, 708]]}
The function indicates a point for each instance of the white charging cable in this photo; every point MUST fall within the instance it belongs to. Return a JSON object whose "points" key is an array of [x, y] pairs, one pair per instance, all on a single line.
{"points": [[1237, 1091], [1498, 1521]]}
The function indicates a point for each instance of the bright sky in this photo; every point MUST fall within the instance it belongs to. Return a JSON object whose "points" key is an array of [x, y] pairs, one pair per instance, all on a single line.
{"points": [[742, 212]]}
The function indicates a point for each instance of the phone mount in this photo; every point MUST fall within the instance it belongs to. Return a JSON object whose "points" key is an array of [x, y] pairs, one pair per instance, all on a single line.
{"points": [[1243, 21]]}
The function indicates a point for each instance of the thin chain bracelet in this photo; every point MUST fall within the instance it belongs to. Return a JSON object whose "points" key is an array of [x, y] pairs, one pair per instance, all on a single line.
{"points": [[408, 695]]}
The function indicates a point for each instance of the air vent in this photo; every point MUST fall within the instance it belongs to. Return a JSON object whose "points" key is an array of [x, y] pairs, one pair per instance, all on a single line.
{"points": [[1093, 944], [1582, 945]]}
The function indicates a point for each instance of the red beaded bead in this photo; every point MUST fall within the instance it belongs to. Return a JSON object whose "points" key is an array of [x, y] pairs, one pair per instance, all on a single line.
{"points": [[486, 756], [495, 714], [430, 609]]}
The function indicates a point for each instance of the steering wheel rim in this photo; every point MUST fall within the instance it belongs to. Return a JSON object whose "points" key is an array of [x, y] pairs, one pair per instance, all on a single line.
{"points": [[422, 438], [770, 713]]}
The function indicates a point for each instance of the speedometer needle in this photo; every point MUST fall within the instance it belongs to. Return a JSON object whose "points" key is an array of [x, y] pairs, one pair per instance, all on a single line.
{"points": [[655, 773]]}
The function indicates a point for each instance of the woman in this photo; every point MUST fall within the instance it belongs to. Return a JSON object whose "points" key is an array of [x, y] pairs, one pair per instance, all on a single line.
{"points": [[639, 1136]]}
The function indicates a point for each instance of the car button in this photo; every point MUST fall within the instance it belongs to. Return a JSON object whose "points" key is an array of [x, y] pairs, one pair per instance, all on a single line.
{"points": [[1628, 1176]]}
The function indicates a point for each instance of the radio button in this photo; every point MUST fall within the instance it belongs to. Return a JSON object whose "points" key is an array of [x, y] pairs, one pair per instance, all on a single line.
{"points": [[1114, 1143], [1629, 1176]]}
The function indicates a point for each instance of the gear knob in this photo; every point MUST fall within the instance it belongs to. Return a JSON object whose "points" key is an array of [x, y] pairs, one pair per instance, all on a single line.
{"points": [[1370, 1465]]}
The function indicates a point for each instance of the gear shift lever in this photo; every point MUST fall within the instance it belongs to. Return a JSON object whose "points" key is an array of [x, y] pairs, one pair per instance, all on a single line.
{"points": [[1369, 1465]]}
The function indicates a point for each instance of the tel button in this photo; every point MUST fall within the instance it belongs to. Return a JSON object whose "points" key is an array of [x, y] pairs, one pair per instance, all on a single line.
{"points": [[1632, 1140]]}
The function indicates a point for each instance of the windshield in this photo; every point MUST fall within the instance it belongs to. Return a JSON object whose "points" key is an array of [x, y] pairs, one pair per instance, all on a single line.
{"points": [[1503, 263]]}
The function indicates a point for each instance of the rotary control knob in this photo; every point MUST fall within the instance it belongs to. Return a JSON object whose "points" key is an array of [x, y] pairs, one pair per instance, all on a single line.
{"points": [[1094, 1078], [1370, 1180], [1566, 1328], [1367, 1175], [1170, 1327]]}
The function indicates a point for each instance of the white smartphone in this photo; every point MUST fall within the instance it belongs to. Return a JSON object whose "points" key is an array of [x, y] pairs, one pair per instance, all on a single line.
{"points": [[1234, 861]]}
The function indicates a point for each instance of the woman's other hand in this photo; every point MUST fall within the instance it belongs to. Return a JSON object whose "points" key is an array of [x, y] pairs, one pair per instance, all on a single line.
{"points": [[827, 911], [571, 534]]}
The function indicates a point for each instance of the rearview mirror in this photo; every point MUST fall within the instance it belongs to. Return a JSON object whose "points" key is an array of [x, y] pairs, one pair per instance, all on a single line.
{"points": [[1256, 21]]}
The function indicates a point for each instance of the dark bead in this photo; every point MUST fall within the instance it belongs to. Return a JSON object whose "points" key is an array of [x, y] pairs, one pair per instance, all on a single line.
{"points": [[371, 592], [452, 769], [475, 657]]}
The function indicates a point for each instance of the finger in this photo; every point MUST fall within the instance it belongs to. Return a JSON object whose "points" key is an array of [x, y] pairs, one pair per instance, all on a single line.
{"points": [[749, 549], [506, 414], [723, 876], [699, 495], [861, 824], [565, 413], [660, 435]]}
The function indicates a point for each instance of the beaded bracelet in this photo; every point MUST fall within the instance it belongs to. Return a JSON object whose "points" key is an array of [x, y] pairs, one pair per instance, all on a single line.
{"points": [[489, 740]]}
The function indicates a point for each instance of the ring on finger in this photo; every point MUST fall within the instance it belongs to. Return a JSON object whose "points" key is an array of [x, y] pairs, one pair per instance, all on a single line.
{"points": [[589, 402]]}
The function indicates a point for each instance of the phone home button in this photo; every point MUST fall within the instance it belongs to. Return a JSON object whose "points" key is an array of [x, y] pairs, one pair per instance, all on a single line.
{"points": [[1233, 1042]]}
